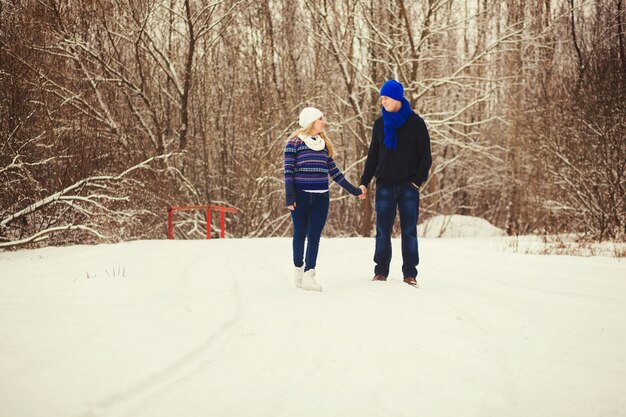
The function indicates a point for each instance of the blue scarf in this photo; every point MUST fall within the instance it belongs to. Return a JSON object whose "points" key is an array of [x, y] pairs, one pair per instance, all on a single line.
{"points": [[394, 121]]}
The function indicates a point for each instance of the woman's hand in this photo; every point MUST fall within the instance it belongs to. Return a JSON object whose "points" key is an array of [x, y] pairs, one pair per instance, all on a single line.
{"points": [[363, 194], [292, 207]]}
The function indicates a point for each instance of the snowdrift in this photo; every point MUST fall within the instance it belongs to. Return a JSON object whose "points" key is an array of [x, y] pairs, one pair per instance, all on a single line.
{"points": [[458, 226]]}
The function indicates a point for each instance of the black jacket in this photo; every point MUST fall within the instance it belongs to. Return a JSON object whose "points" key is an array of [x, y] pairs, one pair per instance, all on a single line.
{"points": [[410, 161]]}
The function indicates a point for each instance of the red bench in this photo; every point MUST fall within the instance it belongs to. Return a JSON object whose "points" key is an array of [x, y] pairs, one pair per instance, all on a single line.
{"points": [[209, 208]]}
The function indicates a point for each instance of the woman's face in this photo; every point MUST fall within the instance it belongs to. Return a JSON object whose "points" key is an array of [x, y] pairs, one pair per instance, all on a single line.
{"points": [[318, 125]]}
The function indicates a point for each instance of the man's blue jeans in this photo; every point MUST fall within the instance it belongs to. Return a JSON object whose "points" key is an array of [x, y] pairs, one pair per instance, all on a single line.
{"points": [[309, 218], [405, 198]]}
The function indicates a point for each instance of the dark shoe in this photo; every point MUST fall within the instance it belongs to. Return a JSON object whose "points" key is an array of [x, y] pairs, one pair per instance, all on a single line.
{"points": [[411, 281], [379, 277]]}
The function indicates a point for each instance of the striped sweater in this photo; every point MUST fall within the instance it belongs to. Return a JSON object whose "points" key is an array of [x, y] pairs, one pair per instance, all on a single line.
{"points": [[306, 169]]}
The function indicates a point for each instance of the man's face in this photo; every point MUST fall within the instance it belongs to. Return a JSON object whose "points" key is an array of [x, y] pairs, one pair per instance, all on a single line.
{"points": [[390, 104]]}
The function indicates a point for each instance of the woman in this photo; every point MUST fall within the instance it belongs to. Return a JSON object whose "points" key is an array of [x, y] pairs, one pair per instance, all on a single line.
{"points": [[308, 163]]}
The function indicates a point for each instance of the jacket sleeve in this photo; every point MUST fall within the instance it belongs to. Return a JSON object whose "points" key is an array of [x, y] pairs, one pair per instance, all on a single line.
{"points": [[289, 169], [424, 157], [340, 179], [371, 163]]}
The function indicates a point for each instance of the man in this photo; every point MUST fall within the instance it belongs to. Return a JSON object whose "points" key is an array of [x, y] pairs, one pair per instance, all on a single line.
{"points": [[399, 157]]}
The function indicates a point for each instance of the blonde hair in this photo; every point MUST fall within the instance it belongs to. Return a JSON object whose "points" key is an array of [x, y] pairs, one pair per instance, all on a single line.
{"points": [[308, 130]]}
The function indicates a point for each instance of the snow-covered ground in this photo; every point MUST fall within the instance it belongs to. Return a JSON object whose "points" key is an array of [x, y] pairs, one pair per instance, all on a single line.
{"points": [[216, 328]]}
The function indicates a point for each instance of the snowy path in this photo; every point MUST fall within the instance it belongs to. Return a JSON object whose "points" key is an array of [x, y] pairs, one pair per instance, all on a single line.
{"points": [[217, 329]]}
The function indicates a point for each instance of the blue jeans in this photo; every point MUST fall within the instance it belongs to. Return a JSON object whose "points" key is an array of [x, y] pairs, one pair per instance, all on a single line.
{"points": [[309, 218], [405, 198]]}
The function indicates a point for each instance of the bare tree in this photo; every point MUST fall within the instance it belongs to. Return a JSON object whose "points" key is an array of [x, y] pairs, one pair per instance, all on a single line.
{"points": [[506, 88]]}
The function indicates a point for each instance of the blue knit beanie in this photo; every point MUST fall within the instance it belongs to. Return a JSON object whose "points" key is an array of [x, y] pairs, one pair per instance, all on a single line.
{"points": [[393, 89]]}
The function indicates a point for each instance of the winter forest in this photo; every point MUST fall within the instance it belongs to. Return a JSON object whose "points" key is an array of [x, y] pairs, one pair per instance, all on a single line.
{"points": [[113, 110]]}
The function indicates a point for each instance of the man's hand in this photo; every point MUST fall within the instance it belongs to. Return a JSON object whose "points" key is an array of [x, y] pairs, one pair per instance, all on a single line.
{"points": [[363, 195], [292, 207]]}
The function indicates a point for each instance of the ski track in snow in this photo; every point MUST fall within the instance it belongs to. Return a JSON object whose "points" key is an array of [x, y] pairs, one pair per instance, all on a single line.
{"points": [[157, 384], [488, 333]]}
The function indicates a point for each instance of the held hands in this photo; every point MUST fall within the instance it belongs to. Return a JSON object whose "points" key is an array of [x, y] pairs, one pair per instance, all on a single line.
{"points": [[363, 194]]}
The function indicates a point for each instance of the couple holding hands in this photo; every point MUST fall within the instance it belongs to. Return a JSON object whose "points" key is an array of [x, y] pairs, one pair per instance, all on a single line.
{"points": [[399, 157]]}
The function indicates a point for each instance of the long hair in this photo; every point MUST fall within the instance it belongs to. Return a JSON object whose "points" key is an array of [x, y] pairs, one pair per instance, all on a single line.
{"points": [[308, 130]]}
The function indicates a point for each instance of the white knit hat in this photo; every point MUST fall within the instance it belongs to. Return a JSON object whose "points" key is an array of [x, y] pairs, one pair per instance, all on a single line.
{"points": [[308, 115]]}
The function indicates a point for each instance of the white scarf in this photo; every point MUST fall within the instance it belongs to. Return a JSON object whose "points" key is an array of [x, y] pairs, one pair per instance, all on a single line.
{"points": [[313, 142]]}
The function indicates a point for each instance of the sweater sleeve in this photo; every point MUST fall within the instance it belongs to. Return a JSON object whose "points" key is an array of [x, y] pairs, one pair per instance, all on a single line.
{"points": [[371, 163], [289, 169], [424, 156], [339, 178]]}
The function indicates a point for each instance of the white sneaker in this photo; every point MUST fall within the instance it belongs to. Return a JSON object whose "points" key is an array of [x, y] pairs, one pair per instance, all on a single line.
{"points": [[308, 281], [297, 277]]}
